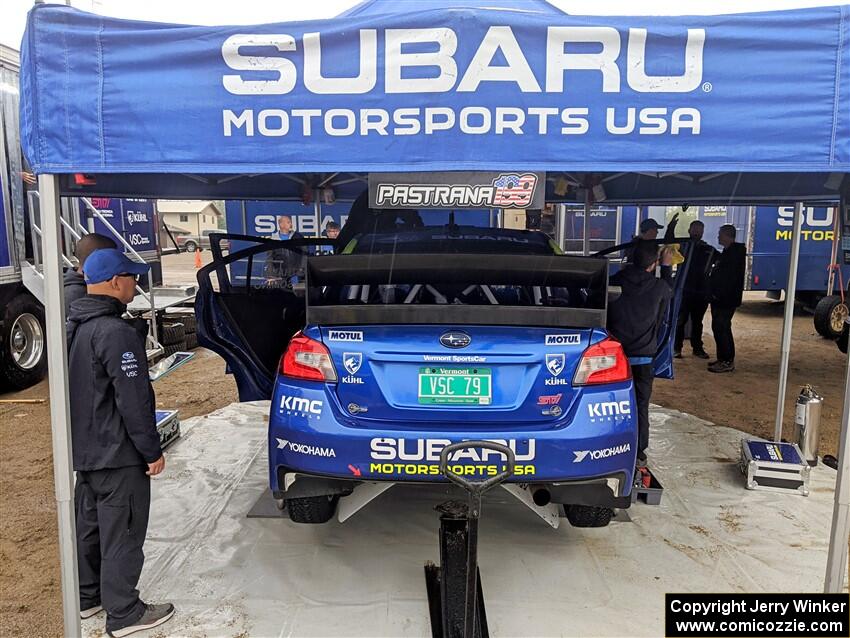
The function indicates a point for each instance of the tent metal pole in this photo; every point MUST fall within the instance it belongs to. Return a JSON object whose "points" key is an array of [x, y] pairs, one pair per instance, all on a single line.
{"points": [[787, 324], [585, 244], [618, 231], [562, 226], [60, 412], [836, 561], [317, 211]]}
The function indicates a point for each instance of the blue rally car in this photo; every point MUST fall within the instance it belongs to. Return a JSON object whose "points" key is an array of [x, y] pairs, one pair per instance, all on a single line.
{"points": [[377, 358]]}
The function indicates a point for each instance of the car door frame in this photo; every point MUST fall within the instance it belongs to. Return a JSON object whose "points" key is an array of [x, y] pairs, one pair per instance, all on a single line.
{"points": [[216, 328]]}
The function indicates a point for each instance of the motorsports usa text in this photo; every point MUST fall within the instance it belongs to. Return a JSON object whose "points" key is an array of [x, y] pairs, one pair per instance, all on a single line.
{"points": [[498, 59]]}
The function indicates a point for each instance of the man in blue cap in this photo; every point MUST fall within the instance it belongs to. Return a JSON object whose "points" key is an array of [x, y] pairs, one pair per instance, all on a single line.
{"points": [[115, 445]]}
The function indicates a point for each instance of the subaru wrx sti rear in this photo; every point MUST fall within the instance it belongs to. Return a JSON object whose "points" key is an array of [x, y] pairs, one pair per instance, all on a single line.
{"points": [[405, 353]]}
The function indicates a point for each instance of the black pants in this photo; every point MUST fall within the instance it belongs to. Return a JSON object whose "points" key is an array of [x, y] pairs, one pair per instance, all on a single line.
{"points": [[643, 376], [721, 326], [112, 522], [693, 308]]}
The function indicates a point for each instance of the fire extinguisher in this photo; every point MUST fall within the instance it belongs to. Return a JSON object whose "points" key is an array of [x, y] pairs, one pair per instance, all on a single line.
{"points": [[807, 423]]}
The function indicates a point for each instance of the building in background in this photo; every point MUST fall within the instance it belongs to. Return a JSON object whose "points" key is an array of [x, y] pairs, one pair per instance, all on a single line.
{"points": [[189, 218]]}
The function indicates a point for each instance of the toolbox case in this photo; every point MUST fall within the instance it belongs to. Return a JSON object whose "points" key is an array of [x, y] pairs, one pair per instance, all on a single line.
{"points": [[168, 427], [776, 467]]}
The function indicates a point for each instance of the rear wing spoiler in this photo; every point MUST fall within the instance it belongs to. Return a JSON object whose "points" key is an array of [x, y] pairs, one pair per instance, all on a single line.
{"points": [[329, 276]]}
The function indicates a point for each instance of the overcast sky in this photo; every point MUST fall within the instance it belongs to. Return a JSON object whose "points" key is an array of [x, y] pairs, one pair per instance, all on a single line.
{"points": [[13, 12]]}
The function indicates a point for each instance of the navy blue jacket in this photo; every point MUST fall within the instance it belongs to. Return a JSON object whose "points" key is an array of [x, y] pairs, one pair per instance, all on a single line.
{"points": [[635, 317], [75, 287], [113, 421], [726, 280]]}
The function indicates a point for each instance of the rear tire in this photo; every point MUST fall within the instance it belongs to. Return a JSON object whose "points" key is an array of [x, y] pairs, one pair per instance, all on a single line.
{"points": [[23, 351], [312, 510], [588, 515], [190, 246], [829, 316]]}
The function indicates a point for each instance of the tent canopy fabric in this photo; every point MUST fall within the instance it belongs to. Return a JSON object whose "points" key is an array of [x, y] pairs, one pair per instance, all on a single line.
{"points": [[498, 85], [387, 7]]}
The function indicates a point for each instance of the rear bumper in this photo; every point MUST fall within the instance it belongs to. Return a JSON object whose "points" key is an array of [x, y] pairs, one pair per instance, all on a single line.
{"points": [[309, 434], [606, 491]]}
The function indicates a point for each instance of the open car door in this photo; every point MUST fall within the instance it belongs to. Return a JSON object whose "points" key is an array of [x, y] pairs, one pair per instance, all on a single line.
{"points": [[250, 302], [663, 360]]}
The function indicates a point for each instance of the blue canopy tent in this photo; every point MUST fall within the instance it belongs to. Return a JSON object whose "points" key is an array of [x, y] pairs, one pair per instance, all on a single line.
{"points": [[713, 109]]}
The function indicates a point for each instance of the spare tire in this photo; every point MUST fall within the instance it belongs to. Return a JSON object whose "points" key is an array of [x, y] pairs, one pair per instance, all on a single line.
{"points": [[830, 313], [188, 321], [171, 333]]}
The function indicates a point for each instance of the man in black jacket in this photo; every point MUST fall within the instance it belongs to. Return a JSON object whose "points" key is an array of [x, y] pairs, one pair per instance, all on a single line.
{"points": [[726, 290], [635, 318], [115, 445], [75, 283], [695, 292]]}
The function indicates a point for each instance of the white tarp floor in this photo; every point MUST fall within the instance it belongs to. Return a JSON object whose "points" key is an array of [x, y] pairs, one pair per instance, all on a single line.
{"points": [[229, 575]]}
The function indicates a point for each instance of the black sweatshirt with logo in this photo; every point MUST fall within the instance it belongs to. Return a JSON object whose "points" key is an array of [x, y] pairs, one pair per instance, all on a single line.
{"points": [[113, 422]]}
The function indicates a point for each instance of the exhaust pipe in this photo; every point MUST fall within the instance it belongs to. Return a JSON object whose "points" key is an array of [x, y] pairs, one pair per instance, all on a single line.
{"points": [[541, 497]]}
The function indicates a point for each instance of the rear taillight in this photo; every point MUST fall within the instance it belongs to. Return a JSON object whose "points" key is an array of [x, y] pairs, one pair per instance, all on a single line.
{"points": [[306, 358], [603, 362]]}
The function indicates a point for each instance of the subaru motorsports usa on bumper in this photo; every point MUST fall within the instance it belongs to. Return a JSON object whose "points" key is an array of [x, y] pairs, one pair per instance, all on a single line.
{"points": [[411, 340]]}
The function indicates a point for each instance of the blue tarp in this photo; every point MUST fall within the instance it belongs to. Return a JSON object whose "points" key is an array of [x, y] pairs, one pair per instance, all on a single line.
{"points": [[446, 87]]}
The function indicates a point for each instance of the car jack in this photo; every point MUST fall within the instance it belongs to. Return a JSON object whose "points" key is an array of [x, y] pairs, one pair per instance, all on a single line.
{"points": [[455, 598]]}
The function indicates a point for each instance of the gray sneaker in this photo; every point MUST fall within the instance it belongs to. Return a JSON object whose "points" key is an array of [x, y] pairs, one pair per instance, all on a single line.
{"points": [[154, 616], [722, 366], [90, 611]]}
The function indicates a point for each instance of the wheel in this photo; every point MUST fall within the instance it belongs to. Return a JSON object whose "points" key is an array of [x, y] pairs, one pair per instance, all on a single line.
{"points": [[191, 341], [190, 246], [171, 333], [188, 321], [829, 316], [312, 510], [588, 515], [23, 360]]}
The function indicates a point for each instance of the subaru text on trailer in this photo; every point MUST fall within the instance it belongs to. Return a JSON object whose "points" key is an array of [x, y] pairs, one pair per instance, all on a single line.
{"points": [[412, 340]]}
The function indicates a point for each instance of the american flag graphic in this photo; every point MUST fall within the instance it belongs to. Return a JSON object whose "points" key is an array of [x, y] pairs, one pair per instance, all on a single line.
{"points": [[514, 191]]}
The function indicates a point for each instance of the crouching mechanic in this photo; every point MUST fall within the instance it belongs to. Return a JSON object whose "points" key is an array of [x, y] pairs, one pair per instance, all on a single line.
{"points": [[635, 318], [115, 445]]}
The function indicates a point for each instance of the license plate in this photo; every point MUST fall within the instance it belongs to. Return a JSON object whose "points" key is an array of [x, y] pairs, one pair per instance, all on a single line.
{"points": [[455, 386]]}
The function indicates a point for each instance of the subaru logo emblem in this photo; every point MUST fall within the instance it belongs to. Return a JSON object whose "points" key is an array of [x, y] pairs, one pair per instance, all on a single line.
{"points": [[455, 339]]}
